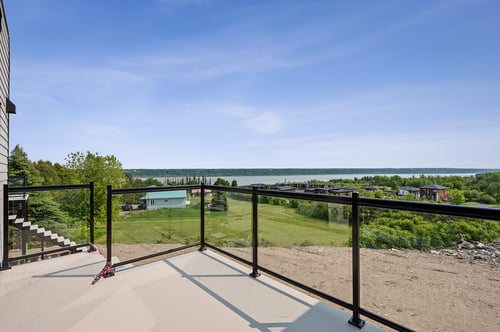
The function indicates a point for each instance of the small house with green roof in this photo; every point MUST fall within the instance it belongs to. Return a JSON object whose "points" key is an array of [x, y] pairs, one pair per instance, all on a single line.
{"points": [[165, 199]]}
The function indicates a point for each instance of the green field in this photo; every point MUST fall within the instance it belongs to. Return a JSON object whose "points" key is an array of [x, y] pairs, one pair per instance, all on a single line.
{"points": [[278, 226]]}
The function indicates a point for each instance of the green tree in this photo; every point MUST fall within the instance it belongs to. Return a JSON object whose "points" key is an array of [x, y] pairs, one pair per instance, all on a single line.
{"points": [[219, 201], [487, 199], [20, 165], [219, 198], [472, 195], [152, 182], [494, 190], [456, 196], [378, 193], [221, 182], [49, 173], [103, 171]]}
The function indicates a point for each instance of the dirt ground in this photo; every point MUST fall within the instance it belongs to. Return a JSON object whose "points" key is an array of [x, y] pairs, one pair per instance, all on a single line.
{"points": [[422, 291]]}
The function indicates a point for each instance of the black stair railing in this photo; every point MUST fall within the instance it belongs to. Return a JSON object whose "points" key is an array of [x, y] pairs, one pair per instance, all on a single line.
{"points": [[22, 222]]}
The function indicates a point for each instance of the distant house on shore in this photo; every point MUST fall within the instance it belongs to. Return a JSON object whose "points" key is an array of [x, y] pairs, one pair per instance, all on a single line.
{"points": [[165, 199], [322, 191], [434, 192], [284, 188], [407, 190], [340, 191], [374, 187], [197, 192]]}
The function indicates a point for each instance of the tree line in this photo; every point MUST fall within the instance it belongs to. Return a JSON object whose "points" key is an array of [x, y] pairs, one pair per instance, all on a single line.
{"points": [[69, 209], [483, 188]]}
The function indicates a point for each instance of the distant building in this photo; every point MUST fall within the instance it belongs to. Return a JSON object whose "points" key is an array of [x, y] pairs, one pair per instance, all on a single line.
{"points": [[434, 192], [6, 108], [165, 199], [258, 186], [340, 191], [197, 192], [322, 191], [406, 190], [374, 187], [284, 188]]}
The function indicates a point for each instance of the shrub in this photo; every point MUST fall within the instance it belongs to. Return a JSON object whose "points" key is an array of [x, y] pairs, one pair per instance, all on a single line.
{"points": [[487, 199], [417, 232]]}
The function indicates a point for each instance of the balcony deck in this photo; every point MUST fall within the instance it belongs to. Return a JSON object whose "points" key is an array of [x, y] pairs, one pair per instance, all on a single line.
{"points": [[195, 291]]}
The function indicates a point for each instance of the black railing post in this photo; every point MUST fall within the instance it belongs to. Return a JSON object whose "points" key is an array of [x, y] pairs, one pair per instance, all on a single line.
{"points": [[91, 217], [202, 217], [355, 320], [109, 220], [42, 246], [255, 239], [5, 230]]}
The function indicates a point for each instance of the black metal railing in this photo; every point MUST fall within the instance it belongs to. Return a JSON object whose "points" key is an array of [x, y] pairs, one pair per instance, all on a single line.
{"points": [[22, 193], [355, 202]]}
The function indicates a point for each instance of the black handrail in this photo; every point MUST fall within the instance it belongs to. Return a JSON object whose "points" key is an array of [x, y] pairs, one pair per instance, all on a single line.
{"points": [[354, 201], [48, 252], [446, 209], [138, 190], [24, 189]]}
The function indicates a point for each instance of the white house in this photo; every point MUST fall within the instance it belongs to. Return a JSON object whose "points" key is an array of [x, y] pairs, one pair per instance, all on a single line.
{"points": [[165, 199]]}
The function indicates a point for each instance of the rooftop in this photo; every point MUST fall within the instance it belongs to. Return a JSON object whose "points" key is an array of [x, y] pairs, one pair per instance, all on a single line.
{"points": [[165, 194], [194, 291]]}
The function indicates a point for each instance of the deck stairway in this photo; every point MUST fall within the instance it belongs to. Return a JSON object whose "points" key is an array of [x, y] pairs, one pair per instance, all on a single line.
{"points": [[34, 229]]}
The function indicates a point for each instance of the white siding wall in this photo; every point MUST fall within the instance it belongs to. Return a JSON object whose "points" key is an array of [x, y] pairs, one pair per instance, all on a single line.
{"points": [[154, 204], [4, 117]]}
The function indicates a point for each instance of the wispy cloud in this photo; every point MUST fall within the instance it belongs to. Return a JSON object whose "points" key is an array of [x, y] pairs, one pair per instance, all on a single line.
{"points": [[265, 123], [259, 121], [383, 149], [82, 86], [212, 60]]}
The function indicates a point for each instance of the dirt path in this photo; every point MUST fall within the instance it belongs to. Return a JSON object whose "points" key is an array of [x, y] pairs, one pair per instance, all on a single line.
{"points": [[426, 292]]}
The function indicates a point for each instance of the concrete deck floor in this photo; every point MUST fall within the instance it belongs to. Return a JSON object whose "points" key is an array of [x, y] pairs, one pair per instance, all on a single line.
{"points": [[196, 291]]}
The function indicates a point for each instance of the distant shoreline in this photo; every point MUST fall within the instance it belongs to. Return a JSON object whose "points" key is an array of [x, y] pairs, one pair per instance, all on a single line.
{"points": [[211, 172]]}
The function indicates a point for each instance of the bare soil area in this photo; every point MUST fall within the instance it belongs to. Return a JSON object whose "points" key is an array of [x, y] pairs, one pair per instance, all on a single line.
{"points": [[423, 291]]}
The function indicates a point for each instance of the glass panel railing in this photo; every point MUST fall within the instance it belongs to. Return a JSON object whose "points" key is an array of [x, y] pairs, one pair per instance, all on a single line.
{"points": [[417, 271], [308, 242], [228, 220], [150, 223]]}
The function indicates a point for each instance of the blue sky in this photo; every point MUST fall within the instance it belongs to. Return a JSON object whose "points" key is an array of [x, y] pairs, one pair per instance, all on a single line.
{"points": [[241, 84]]}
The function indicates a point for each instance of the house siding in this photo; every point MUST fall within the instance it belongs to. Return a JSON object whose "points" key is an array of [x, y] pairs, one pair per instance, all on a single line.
{"points": [[154, 204], [434, 193], [4, 117]]}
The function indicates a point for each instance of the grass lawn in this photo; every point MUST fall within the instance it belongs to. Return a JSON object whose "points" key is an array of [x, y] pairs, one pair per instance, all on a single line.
{"points": [[278, 226]]}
